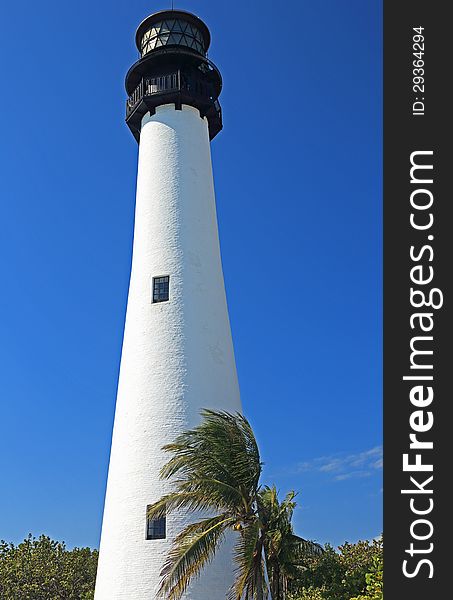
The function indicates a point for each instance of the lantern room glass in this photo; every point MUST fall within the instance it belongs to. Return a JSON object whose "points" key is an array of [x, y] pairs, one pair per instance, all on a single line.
{"points": [[172, 32]]}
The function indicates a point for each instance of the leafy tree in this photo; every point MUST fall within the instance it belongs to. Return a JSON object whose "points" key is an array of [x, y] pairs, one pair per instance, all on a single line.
{"points": [[358, 560], [374, 582], [324, 573], [354, 572], [216, 468], [312, 593], [43, 569]]}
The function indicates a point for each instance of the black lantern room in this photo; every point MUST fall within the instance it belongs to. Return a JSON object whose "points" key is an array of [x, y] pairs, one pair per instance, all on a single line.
{"points": [[173, 69]]}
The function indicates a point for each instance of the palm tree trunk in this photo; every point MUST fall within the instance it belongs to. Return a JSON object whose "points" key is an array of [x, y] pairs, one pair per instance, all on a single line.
{"points": [[276, 584], [266, 578]]}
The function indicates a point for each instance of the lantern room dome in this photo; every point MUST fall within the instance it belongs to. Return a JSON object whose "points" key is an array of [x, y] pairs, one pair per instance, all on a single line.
{"points": [[172, 28]]}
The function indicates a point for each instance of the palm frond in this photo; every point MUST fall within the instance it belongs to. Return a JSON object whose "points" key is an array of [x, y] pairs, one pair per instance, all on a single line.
{"points": [[222, 447], [189, 500], [305, 547], [220, 494], [193, 548]]}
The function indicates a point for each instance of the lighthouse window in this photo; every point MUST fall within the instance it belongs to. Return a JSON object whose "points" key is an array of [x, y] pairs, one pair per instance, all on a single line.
{"points": [[161, 288], [155, 528]]}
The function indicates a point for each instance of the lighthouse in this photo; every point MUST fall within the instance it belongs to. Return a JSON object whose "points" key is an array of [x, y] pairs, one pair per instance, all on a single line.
{"points": [[177, 355]]}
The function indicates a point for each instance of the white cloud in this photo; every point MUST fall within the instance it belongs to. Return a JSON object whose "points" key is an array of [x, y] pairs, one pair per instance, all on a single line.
{"points": [[345, 466], [351, 474]]}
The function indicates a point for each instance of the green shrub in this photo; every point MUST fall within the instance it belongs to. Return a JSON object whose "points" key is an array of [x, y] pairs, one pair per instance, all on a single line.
{"points": [[43, 569]]}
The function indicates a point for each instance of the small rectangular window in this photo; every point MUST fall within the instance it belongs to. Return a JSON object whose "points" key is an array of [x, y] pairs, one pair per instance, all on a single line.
{"points": [[161, 288], [155, 528]]}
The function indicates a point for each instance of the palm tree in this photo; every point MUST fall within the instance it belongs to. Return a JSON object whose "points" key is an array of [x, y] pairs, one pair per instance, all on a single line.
{"points": [[284, 551], [216, 468]]}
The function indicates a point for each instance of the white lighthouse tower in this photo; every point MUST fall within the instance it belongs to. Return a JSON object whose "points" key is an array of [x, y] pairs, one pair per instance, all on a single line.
{"points": [[177, 355]]}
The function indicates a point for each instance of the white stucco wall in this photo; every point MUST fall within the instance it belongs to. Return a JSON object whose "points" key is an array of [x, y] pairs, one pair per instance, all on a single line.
{"points": [[177, 356]]}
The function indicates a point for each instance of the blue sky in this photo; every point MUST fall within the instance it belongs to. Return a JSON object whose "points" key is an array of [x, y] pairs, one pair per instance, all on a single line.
{"points": [[298, 183]]}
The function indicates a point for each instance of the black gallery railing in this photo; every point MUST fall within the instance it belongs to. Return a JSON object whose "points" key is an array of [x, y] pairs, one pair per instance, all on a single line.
{"points": [[170, 83]]}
